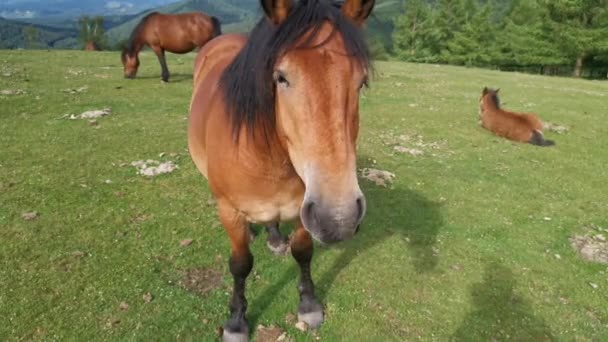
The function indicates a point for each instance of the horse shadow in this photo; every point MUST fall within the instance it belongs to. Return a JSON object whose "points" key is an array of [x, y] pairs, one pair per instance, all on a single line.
{"points": [[500, 313], [174, 78], [391, 212]]}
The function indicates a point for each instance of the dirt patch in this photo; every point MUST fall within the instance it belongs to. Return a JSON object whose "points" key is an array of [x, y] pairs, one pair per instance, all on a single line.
{"points": [[269, 334], [147, 297], [592, 246], [186, 242], [379, 177], [70, 262], [201, 280]]}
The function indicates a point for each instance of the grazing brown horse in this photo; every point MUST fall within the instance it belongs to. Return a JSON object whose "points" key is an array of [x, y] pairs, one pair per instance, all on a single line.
{"points": [[273, 125], [522, 127], [177, 33]]}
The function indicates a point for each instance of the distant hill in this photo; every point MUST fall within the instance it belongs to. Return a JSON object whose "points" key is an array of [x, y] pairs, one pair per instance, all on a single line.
{"points": [[235, 15], [66, 9], [241, 15], [14, 35], [59, 29]]}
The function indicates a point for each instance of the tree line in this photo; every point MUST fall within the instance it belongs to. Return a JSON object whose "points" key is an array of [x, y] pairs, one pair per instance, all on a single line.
{"points": [[538, 35]]}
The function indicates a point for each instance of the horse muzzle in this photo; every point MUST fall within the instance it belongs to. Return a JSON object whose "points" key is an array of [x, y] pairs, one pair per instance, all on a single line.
{"points": [[329, 223]]}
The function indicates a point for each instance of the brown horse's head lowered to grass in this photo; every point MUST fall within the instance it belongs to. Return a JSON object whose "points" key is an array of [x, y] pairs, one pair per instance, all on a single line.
{"points": [[522, 127], [274, 120], [177, 33]]}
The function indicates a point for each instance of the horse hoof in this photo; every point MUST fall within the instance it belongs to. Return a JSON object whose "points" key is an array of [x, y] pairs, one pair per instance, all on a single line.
{"points": [[228, 336], [310, 312], [281, 248], [312, 319]]}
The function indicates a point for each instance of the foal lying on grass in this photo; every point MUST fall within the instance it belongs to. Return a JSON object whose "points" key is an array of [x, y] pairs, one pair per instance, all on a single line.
{"points": [[522, 127]]}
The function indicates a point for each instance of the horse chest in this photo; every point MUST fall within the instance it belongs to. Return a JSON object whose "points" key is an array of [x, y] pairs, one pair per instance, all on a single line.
{"points": [[265, 211]]}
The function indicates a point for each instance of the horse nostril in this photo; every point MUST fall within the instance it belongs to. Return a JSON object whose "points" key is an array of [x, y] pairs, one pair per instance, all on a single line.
{"points": [[360, 209], [309, 212]]}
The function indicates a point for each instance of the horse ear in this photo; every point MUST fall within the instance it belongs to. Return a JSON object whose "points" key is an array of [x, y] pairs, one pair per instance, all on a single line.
{"points": [[277, 10], [485, 90], [496, 91], [358, 10]]}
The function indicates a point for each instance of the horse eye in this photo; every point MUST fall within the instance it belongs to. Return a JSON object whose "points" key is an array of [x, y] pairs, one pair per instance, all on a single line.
{"points": [[280, 79], [364, 83]]}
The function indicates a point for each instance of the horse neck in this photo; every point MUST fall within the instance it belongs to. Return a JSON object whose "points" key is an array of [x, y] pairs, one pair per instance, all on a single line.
{"points": [[135, 47], [490, 106]]}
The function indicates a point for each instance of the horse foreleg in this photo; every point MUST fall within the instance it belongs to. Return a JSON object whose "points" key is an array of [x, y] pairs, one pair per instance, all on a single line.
{"points": [[163, 65], [275, 241], [241, 263], [310, 310]]}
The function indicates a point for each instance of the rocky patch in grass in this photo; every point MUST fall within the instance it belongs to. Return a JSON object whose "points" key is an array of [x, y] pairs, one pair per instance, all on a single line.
{"points": [[89, 114], [151, 168], [29, 216], [412, 151], [414, 145], [75, 72], [559, 129], [378, 177], [8, 92], [201, 280], [75, 90], [592, 246]]}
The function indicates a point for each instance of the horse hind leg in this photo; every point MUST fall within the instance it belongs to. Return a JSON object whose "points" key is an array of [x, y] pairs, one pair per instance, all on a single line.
{"points": [[236, 329], [538, 139], [163, 64], [276, 242], [310, 310]]}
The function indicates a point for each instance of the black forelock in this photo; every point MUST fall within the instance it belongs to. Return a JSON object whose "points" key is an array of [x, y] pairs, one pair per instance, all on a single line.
{"points": [[247, 83]]}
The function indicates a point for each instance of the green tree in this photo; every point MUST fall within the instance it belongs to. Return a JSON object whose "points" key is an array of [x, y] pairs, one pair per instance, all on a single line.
{"points": [[92, 31], [475, 43], [412, 34], [450, 17], [581, 28], [526, 38]]}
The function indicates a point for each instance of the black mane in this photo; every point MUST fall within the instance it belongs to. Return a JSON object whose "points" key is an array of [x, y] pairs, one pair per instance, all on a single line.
{"points": [[247, 82], [494, 97], [130, 46]]}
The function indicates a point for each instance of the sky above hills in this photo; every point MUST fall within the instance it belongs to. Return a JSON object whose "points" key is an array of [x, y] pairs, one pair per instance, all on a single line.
{"points": [[26, 9]]}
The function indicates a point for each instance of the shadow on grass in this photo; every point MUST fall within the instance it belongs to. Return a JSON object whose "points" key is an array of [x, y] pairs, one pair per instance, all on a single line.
{"points": [[400, 212], [173, 78], [500, 314]]}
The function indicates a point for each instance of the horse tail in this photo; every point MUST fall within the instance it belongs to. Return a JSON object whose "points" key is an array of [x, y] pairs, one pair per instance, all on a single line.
{"points": [[217, 26], [539, 140]]}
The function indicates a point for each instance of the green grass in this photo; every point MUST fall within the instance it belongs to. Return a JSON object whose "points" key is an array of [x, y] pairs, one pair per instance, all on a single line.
{"points": [[457, 247]]}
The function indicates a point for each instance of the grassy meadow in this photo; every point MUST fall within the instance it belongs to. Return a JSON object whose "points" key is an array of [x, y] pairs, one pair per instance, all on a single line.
{"points": [[471, 240]]}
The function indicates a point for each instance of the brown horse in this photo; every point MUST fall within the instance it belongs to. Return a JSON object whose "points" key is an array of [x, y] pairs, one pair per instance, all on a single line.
{"points": [[177, 33], [273, 125], [522, 127]]}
